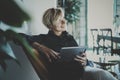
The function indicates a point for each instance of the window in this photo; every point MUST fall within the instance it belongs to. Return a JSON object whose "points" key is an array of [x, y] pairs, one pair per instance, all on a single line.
{"points": [[76, 14]]}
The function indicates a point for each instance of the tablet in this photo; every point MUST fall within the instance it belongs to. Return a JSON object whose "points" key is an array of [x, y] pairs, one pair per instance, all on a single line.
{"points": [[69, 53]]}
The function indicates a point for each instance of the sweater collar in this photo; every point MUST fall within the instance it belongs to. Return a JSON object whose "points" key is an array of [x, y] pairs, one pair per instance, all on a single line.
{"points": [[51, 33]]}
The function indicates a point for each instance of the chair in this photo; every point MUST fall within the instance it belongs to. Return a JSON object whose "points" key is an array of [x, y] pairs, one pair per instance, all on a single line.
{"points": [[107, 46], [106, 43], [95, 33], [38, 63], [27, 68]]}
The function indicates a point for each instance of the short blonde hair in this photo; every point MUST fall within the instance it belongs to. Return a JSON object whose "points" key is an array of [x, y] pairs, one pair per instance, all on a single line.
{"points": [[50, 16]]}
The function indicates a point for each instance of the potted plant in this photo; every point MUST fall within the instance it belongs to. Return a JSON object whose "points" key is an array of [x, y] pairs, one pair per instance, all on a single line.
{"points": [[12, 15]]}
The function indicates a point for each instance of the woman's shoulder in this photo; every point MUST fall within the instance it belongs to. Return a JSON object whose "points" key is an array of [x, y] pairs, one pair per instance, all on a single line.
{"points": [[66, 34], [33, 38], [43, 36]]}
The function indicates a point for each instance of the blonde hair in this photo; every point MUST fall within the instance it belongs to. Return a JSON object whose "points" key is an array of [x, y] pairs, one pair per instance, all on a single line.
{"points": [[50, 16]]}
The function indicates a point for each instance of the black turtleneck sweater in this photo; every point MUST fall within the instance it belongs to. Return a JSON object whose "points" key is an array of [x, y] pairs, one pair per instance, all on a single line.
{"points": [[52, 41]]}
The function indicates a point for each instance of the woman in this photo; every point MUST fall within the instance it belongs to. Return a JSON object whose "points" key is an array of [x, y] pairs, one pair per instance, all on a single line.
{"points": [[49, 45]]}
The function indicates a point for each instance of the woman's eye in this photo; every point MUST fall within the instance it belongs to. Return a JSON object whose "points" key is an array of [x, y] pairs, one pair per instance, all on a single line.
{"points": [[63, 21]]}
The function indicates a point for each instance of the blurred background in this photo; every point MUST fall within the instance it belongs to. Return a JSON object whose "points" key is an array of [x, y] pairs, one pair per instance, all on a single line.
{"points": [[93, 23]]}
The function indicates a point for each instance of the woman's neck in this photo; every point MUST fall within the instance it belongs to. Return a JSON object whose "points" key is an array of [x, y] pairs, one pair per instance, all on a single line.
{"points": [[57, 33]]}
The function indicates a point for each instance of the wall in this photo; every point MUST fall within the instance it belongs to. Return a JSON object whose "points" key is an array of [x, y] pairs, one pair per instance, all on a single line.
{"points": [[35, 9], [100, 15]]}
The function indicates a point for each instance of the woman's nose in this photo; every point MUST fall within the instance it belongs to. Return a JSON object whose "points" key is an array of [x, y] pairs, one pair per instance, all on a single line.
{"points": [[63, 21]]}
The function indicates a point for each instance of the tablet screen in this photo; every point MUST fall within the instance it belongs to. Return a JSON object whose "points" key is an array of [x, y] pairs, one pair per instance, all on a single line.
{"points": [[69, 53]]}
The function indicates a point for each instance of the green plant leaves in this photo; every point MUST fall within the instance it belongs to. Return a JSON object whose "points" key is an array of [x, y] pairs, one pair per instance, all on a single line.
{"points": [[6, 52], [72, 10]]}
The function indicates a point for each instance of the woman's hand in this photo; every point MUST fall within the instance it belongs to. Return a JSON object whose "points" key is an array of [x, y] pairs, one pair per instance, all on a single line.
{"points": [[81, 59], [49, 53]]}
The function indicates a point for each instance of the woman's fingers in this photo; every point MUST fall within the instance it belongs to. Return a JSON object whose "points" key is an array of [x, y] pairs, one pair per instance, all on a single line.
{"points": [[82, 60], [83, 63], [50, 54], [55, 54]]}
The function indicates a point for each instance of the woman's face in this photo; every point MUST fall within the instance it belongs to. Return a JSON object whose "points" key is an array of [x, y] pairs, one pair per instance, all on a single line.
{"points": [[59, 25]]}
